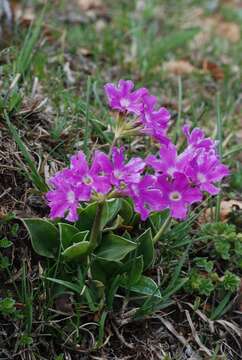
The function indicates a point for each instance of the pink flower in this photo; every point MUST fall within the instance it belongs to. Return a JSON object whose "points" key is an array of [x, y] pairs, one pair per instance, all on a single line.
{"points": [[178, 178], [125, 174], [155, 122], [177, 194], [65, 198], [168, 162], [204, 170], [71, 186], [98, 177], [122, 98], [146, 196], [197, 141]]}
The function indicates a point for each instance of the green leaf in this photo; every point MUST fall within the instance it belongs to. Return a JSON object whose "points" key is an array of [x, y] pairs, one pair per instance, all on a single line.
{"points": [[145, 286], [219, 310], [115, 224], [158, 218], [101, 330], [176, 272], [66, 234], [169, 291], [112, 290], [172, 41], [199, 283], [127, 235], [7, 306], [146, 248], [111, 209], [86, 217], [126, 210], [76, 251], [230, 281], [114, 247], [74, 287], [133, 270], [204, 263], [25, 56], [4, 262], [222, 246], [25, 340], [104, 270], [44, 236], [32, 174], [5, 243], [80, 236]]}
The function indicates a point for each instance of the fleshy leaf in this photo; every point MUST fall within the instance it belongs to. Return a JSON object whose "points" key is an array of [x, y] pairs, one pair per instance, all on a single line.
{"points": [[87, 214], [114, 247], [133, 270], [145, 286], [67, 232], [79, 237], [126, 210], [104, 270], [44, 237], [86, 217], [76, 251], [146, 247], [115, 224], [67, 284], [111, 209]]}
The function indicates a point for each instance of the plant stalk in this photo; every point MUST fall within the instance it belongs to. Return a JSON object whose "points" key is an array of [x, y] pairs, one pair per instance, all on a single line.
{"points": [[219, 138], [162, 229], [96, 227]]}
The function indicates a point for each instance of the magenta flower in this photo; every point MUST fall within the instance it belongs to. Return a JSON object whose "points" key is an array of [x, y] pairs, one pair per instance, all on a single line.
{"points": [[196, 140], [178, 179], [155, 122], [169, 162], [146, 196], [122, 98], [71, 186], [178, 194], [125, 174], [65, 198], [98, 177], [204, 170]]}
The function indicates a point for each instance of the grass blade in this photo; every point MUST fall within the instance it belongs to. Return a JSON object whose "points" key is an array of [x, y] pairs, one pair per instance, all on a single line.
{"points": [[219, 138], [34, 176], [26, 54]]}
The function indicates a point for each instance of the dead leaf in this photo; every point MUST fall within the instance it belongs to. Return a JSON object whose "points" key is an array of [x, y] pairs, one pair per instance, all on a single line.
{"points": [[64, 304], [239, 135], [100, 25], [69, 74], [195, 335], [240, 297], [85, 51], [3, 213], [6, 11], [215, 70], [23, 14], [89, 4], [229, 30], [178, 67], [226, 208]]}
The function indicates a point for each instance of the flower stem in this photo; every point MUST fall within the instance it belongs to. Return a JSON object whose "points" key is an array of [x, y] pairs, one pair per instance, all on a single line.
{"points": [[96, 227], [115, 139], [219, 137], [162, 229]]}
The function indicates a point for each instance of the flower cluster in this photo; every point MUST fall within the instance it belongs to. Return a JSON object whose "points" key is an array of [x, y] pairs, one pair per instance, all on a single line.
{"points": [[169, 180], [140, 104]]}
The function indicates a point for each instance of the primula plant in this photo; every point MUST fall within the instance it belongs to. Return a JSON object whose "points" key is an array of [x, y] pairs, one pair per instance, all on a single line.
{"points": [[100, 210]]}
